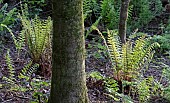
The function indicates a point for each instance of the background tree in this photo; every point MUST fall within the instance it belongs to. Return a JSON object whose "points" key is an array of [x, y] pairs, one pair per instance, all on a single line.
{"points": [[68, 59], [123, 19]]}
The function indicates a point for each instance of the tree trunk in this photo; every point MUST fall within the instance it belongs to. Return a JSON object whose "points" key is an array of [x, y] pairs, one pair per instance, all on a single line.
{"points": [[68, 57], [123, 20]]}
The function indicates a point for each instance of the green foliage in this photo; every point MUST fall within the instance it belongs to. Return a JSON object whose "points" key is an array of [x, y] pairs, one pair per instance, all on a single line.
{"points": [[37, 34], [35, 6], [155, 7], [93, 25], [163, 40], [166, 73], [167, 29], [140, 12], [129, 58], [6, 17], [109, 84], [144, 88], [10, 65], [18, 41], [110, 13], [96, 75], [28, 70], [143, 12], [89, 7], [38, 95], [24, 82], [112, 88]]}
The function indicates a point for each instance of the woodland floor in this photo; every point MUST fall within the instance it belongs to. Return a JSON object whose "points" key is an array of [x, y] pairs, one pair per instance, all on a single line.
{"points": [[96, 60]]}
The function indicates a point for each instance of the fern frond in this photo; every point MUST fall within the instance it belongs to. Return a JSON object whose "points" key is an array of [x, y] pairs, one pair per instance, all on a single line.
{"points": [[32, 69], [126, 56], [24, 70], [10, 65], [138, 51], [93, 27], [10, 31], [110, 13], [148, 54], [130, 11], [9, 81], [28, 70], [19, 42], [115, 49]]}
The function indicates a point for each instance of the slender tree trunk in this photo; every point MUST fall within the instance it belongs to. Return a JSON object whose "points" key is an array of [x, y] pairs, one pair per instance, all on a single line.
{"points": [[123, 20], [68, 58]]}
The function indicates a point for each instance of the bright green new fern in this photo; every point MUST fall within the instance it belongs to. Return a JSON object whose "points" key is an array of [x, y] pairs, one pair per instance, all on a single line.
{"points": [[37, 34]]}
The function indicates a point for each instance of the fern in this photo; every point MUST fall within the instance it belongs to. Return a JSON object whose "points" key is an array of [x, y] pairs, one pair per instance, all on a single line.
{"points": [[91, 7], [129, 59], [19, 42], [10, 80], [110, 13], [87, 8], [6, 17], [22, 74], [93, 25], [10, 65], [37, 34], [115, 51], [26, 72]]}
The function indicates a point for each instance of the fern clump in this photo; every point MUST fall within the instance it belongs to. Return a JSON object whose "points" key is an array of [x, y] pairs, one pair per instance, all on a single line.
{"points": [[129, 58], [37, 34]]}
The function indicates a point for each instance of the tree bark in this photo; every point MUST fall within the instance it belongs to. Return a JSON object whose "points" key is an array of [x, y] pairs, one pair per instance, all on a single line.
{"points": [[123, 20], [68, 57]]}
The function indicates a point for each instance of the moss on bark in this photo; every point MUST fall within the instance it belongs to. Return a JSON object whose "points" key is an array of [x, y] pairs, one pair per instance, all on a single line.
{"points": [[68, 61]]}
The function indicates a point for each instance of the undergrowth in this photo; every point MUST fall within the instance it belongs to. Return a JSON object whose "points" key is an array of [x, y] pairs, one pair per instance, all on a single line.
{"points": [[130, 61], [7, 17], [25, 80]]}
